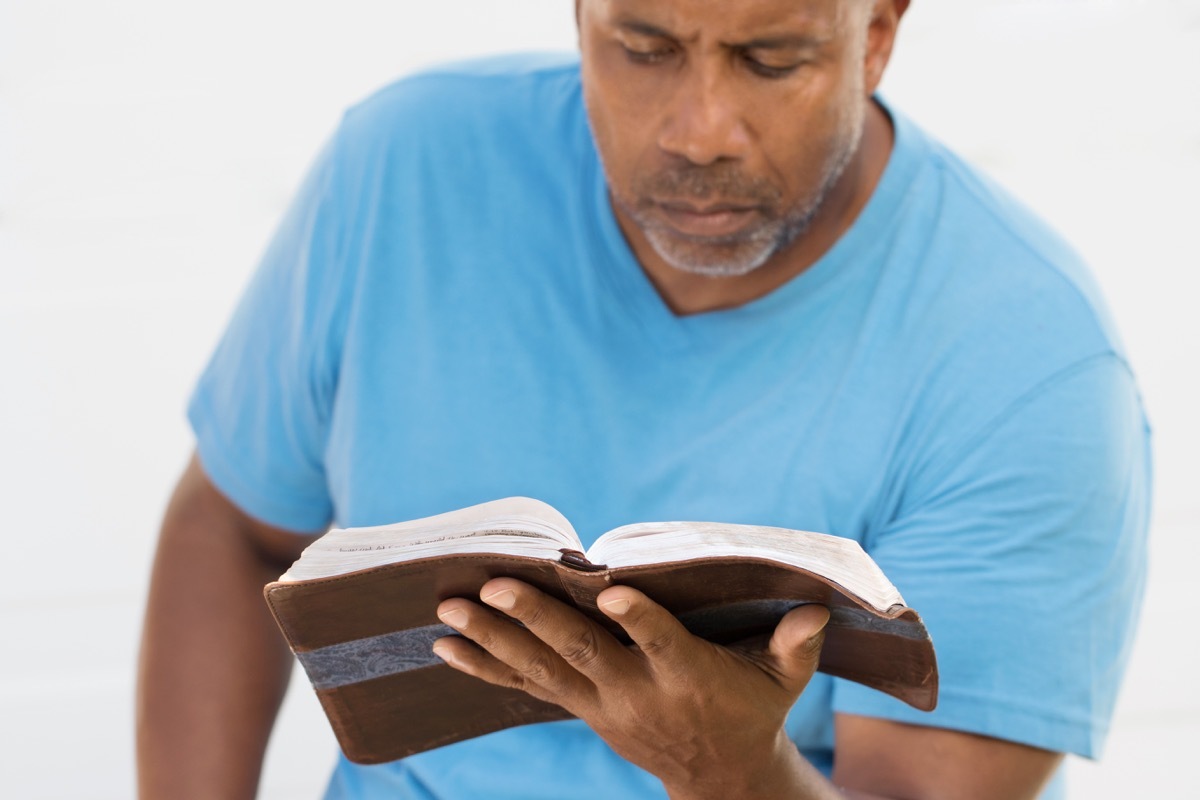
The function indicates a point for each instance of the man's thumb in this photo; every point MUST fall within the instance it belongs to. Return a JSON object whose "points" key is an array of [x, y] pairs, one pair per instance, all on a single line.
{"points": [[796, 645]]}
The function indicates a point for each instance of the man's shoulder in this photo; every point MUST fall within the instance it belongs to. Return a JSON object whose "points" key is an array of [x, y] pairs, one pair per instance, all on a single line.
{"points": [[996, 255], [492, 91], [1002, 223], [464, 124]]}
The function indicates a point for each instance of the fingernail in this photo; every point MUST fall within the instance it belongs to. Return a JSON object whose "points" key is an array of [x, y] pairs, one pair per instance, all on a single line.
{"points": [[818, 636], [503, 599], [441, 651], [456, 618], [617, 607], [825, 621]]}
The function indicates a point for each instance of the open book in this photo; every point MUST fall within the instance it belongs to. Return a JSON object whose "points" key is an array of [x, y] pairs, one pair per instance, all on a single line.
{"points": [[358, 610]]}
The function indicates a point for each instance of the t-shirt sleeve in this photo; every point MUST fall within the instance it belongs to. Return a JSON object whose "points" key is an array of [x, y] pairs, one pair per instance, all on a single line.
{"points": [[261, 409], [1024, 552]]}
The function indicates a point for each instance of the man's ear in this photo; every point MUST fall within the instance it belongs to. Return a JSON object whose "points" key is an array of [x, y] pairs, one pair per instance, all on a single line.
{"points": [[881, 36]]}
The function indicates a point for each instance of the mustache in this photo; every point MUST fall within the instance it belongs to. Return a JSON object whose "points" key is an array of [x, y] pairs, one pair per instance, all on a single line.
{"points": [[722, 181]]}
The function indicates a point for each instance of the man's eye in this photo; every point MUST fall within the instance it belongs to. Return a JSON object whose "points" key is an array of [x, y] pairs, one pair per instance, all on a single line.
{"points": [[769, 70], [653, 55]]}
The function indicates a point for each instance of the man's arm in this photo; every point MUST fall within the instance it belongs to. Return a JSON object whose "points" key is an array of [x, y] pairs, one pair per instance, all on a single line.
{"points": [[709, 720], [213, 668], [884, 759]]}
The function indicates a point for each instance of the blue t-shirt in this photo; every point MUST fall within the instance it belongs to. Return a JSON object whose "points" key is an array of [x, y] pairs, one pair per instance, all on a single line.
{"points": [[449, 314]]}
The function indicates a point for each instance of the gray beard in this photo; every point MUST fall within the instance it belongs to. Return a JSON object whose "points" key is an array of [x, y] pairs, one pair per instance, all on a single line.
{"points": [[744, 252], [732, 256]]}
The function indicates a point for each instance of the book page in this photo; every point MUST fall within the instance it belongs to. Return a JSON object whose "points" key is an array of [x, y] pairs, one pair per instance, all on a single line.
{"points": [[841, 560], [517, 526]]}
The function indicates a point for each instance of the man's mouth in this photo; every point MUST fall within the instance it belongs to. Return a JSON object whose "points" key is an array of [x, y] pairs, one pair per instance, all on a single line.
{"points": [[708, 220]]}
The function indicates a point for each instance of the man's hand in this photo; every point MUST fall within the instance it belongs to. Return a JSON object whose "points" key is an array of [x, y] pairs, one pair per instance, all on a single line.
{"points": [[707, 720]]}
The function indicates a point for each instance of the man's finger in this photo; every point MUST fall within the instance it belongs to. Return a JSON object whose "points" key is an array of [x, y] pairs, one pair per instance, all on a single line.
{"points": [[575, 639], [656, 632], [795, 647], [466, 656], [514, 647]]}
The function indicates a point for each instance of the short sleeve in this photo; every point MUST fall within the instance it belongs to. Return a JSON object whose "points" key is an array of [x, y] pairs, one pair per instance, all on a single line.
{"points": [[1025, 554], [261, 408]]}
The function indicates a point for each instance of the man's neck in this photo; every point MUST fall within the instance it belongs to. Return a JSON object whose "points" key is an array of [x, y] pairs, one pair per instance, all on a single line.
{"points": [[687, 293]]}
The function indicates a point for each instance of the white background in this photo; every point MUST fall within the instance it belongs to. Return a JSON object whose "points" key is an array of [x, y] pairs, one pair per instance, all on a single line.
{"points": [[147, 148]]}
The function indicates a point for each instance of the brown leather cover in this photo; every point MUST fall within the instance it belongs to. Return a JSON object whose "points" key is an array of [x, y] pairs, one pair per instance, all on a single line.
{"points": [[723, 599]]}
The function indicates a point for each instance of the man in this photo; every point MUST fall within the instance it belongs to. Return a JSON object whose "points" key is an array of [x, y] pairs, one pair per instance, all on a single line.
{"points": [[704, 273]]}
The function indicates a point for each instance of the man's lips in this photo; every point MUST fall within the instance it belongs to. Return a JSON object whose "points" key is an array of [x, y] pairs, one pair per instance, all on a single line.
{"points": [[710, 220]]}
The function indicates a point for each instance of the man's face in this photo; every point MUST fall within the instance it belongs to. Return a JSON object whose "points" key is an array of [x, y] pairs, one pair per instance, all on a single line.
{"points": [[723, 124]]}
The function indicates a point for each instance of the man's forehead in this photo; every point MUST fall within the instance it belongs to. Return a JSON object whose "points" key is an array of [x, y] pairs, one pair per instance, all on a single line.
{"points": [[730, 18], [730, 22]]}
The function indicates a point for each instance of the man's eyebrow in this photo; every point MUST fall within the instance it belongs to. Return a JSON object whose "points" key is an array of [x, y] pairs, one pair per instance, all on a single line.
{"points": [[643, 28], [787, 41], [784, 42]]}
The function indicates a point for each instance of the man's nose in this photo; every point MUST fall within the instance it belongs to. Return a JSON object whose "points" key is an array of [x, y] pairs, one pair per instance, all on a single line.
{"points": [[704, 121]]}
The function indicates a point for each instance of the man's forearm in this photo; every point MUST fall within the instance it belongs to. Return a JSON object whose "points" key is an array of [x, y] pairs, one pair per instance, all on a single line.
{"points": [[213, 669]]}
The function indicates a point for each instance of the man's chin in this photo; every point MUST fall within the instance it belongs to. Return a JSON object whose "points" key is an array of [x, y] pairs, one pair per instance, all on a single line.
{"points": [[712, 259]]}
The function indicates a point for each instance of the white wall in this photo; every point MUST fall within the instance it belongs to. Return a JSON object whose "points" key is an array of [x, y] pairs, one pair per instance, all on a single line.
{"points": [[146, 149]]}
